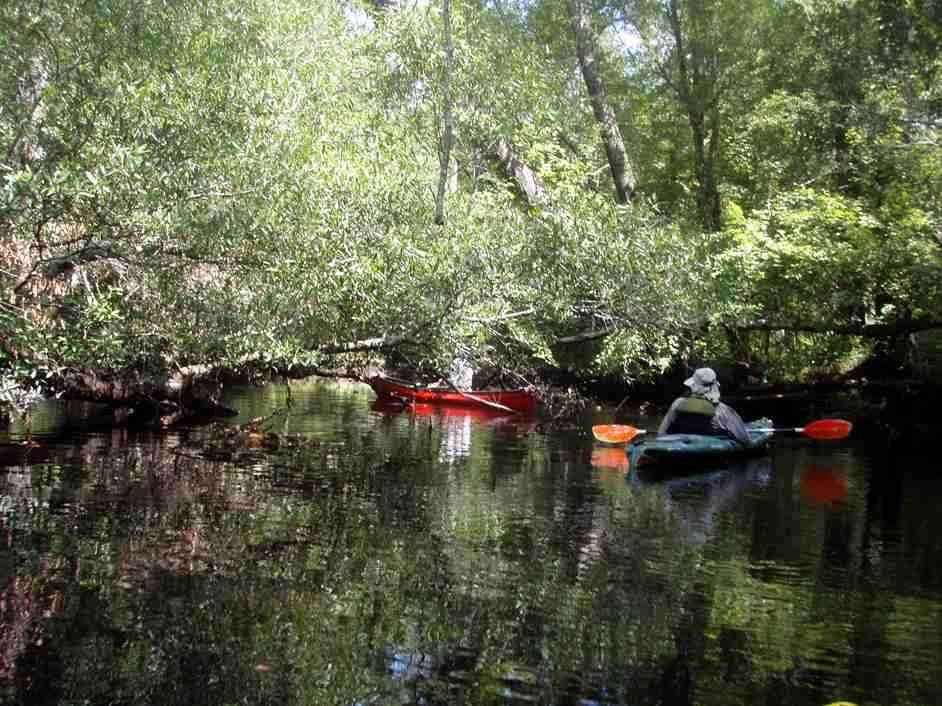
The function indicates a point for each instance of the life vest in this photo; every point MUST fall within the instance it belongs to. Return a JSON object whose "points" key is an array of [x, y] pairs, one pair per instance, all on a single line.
{"points": [[693, 416]]}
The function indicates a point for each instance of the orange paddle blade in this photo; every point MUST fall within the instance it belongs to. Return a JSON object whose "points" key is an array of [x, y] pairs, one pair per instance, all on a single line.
{"points": [[828, 429], [615, 433]]}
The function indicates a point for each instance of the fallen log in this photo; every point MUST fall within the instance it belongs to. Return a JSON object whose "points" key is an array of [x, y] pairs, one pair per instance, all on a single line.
{"points": [[138, 399]]}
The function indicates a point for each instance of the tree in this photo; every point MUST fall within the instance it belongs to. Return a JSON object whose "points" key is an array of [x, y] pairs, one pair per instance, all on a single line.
{"points": [[448, 127], [622, 173], [703, 52]]}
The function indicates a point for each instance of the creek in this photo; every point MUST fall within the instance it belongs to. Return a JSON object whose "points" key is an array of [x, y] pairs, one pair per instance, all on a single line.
{"points": [[365, 554]]}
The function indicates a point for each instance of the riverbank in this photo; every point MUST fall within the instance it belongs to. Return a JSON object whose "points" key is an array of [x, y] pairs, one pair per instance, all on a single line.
{"points": [[895, 412]]}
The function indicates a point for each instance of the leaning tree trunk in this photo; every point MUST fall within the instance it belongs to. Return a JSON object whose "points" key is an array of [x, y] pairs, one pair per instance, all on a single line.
{"points": [[622, 173], [525, 180], [153, 398]]}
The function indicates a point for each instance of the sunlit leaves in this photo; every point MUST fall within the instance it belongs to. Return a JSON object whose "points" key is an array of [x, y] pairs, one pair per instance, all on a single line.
{"points": [[818, 260], [256, 178]]}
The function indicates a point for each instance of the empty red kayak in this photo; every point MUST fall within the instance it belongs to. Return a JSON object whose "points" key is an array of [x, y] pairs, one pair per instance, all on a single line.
{"points": [[522, 401]]}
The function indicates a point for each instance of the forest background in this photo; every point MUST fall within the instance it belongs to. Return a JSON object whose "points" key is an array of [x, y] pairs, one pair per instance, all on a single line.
{"points": [[610, 190]]}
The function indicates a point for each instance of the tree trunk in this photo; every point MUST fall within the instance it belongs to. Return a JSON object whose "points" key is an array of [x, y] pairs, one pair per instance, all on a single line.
{"points": [[448, 127], [707, 152], [31, 83], [698, 101], [156, 399], [526, 181], [622, 173]]}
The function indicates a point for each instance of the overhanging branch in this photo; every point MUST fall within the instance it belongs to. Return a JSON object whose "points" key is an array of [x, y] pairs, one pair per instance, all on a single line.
{"points": [[899, 328], [499, 317], [366, 344], [586, 336]]}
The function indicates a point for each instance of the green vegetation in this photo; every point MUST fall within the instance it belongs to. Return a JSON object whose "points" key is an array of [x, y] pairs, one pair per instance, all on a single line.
{"points": [[224, 184]]}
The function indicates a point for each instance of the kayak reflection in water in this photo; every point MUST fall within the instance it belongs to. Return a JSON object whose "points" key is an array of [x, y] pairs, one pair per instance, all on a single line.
{"points": [[701, 412], [697, 501]]}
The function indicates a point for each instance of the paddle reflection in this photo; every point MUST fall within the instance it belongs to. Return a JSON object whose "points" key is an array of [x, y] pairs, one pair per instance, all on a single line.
{"points": [[823, 487], [613, 457]]}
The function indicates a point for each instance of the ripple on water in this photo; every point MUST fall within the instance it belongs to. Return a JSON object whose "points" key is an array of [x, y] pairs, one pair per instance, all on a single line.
{"points": [[813, 578]]}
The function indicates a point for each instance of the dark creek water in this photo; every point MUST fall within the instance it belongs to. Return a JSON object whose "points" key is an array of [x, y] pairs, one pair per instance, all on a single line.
{"points": [[369, 556]]}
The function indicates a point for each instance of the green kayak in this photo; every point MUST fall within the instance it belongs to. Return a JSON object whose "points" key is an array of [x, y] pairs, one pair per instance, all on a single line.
{"points": [[689, 450]]}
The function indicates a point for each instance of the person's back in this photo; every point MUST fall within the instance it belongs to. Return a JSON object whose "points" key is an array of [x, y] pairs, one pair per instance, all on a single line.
{"points": [[693, 415], [461, 374], [701, 412]]}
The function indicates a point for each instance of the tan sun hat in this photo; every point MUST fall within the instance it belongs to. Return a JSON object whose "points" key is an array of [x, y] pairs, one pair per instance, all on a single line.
{"points": [[703, 383]]}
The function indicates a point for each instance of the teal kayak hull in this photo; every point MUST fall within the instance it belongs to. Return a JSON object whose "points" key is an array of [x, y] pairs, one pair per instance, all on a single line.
{"points": [[695, 449]]}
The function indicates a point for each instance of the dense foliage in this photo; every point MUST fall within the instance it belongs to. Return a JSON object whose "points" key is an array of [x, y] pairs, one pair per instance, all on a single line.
{"points": [[223, 182]]}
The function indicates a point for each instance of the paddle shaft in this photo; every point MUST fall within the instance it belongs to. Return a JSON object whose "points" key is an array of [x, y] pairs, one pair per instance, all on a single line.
{"points": [[820, 429], [495, 405], [410, 401], [487, 403], [474, 398], [799, 430]]}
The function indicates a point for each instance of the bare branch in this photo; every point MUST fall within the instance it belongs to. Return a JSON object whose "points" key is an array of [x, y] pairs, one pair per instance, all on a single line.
{"points": [[866, 330], [501, 317], [587, 336], [366, 344]]}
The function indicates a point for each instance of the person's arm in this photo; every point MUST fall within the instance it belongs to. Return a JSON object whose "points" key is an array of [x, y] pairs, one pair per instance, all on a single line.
{"points": [[728, 419], [669, 417]]}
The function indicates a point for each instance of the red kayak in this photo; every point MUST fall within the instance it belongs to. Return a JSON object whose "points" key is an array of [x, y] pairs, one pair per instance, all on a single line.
{"points": [[520, 401]]}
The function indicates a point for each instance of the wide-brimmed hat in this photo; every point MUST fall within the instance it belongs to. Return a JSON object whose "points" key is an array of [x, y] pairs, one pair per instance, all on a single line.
{"points": [[703, 383]]}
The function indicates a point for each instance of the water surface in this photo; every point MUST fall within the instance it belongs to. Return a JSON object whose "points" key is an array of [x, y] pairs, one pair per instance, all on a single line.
{"points": [[367, 555]]}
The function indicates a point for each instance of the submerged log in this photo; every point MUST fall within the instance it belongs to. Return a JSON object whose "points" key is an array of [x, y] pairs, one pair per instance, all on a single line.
{"points": [[135, 399]]}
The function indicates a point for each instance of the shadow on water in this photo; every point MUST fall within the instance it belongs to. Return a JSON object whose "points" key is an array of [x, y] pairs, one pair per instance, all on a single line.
{"points": [[433, 556]]}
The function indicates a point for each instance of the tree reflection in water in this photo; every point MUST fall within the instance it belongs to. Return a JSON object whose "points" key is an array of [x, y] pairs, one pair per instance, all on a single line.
{"points": [[374, 567]]}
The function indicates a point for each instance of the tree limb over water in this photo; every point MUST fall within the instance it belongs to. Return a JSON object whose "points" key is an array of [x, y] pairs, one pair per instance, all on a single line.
{"points": [[900, 328], [865, 330], [587, 335], [366, 344]]}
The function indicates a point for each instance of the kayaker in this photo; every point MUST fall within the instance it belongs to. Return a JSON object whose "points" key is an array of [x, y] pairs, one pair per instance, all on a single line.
{"points": [[460, 376], [701, 412]]}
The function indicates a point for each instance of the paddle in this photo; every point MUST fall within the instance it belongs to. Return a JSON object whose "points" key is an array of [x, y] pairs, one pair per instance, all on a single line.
{"points": [[488, 403], [475, 398], [616, 433], [821, 429]]}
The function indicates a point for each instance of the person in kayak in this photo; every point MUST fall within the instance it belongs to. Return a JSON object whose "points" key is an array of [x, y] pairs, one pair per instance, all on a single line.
{"points": [[701, 412], [460, 375]]}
